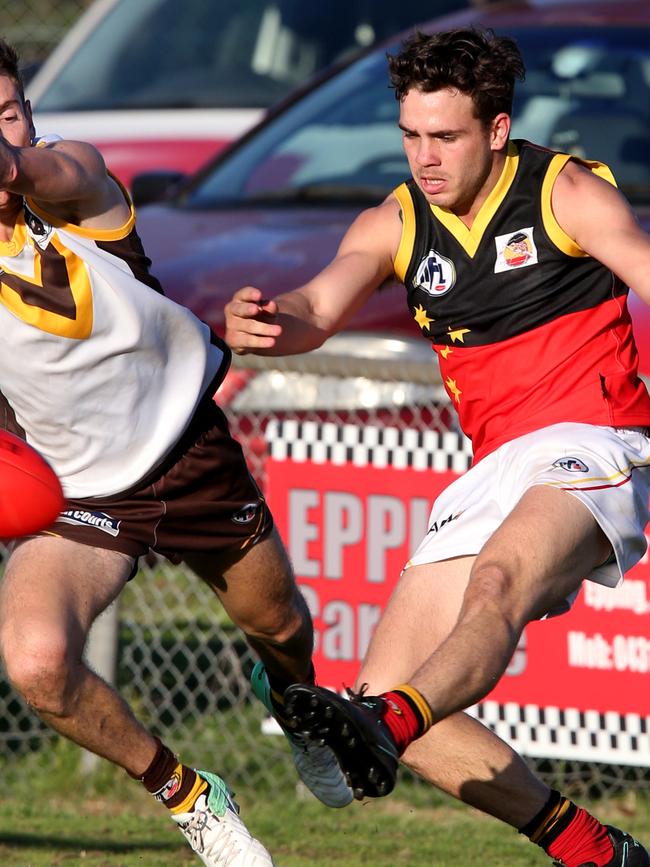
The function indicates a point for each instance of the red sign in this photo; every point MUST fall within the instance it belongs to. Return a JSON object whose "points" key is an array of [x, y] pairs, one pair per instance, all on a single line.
{"points": [[350, 530]]}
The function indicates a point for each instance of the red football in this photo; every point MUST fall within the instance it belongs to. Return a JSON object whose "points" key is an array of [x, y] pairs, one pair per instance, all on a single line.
{"points": [[30, 492]]}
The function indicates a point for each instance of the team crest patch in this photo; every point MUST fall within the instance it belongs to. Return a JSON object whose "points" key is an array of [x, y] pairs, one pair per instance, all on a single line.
{"points": [[170, 788], [98, 520], [436, 274], [571, 465], [515, 250], [246, 514], [38, 229]]}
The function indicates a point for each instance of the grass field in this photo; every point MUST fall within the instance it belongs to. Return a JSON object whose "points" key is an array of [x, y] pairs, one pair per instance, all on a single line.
{"points": [[43, 826]]}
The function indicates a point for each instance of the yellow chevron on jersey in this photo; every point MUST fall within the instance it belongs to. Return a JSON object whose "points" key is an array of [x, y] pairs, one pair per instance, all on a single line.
{"points": [[470, 239], [22, 272]]}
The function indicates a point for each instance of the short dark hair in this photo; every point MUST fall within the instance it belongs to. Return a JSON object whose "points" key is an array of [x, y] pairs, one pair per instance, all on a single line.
{"points": [[9, 66], [475, 62]]}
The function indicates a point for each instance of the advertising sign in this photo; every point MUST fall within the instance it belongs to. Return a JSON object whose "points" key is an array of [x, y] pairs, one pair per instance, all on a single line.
{"points": [[352, 503]]}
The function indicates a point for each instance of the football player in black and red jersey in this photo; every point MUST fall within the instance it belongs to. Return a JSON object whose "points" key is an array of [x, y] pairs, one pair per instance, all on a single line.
{"points": [[516, 262]]}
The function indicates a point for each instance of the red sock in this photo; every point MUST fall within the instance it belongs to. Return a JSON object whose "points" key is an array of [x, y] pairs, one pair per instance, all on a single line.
{"points": [[584, 841], [570, 834], [407, 715]]}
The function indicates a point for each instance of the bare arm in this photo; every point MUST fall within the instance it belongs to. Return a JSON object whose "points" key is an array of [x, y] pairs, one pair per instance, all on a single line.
{"points": [[599, 219], [304, 318], [68, 177]]}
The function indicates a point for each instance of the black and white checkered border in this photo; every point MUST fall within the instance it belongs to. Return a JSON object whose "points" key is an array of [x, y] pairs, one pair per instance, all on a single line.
{"points": [[327, 442], [551, 732]]}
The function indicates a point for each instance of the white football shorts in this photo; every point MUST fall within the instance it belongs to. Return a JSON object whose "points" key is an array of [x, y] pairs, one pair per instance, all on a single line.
{"points": [[607, 468]]}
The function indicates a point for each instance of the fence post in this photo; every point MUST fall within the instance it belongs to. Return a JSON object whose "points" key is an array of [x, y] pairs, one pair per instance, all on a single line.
{"points": [[101, 656]]}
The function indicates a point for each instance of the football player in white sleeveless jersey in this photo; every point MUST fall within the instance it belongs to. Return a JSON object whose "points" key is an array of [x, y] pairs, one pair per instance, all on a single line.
{"points": [[113, 383]]}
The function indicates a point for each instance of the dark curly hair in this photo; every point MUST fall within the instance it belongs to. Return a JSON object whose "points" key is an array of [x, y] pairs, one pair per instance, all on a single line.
{"points": [[475, 62], [9, 66]]}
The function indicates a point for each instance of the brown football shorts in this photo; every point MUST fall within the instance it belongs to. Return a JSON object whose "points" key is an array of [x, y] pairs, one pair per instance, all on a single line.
{"points": [[201, 499]]}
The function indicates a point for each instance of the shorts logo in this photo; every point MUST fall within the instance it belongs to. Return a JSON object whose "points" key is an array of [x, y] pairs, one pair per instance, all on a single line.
{"points": [[98, 520], [246, 514], [438, 525], [436, 274], [571, 465], [516, 250]]}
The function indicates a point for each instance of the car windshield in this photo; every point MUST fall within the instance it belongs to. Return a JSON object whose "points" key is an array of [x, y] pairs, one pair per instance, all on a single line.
{"points": [[586, 92], [218, 54]]}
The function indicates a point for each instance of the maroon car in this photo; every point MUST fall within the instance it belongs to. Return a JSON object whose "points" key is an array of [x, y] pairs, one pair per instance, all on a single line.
{"points": [[271, 211]]}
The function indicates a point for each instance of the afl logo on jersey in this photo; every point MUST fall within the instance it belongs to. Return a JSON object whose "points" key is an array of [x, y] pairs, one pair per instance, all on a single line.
{"points": [[436, 274], [516, 250]]}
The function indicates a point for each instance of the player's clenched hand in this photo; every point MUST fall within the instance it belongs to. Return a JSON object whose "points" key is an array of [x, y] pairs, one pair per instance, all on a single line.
{"points": [[250, 321], [7, 162]]}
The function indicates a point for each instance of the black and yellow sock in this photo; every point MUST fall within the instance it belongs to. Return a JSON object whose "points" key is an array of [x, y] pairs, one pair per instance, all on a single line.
{"points": [[174, 784]]}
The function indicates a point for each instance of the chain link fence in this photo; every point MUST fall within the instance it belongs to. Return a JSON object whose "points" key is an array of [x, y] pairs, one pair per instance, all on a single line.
{"points": [[180, 662], [35, 27]]}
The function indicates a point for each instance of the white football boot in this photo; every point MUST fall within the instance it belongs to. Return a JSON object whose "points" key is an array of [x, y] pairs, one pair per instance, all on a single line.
{"points": [[216, 833]]}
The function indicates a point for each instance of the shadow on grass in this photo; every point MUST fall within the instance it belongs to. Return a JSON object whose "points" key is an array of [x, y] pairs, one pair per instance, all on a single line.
{"points": [[91, 844]]}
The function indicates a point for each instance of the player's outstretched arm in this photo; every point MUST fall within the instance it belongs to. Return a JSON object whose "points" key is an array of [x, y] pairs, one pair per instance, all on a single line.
{"points": [[303, 319], [62, 175], [600, 220]]}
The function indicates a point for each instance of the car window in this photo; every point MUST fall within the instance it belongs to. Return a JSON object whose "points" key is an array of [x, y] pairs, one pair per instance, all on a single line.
{"points": [[588, 93], [219, 54], [585, 92], [342, 139]]}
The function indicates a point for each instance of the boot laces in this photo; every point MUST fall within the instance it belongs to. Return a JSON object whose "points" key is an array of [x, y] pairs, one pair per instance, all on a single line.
{"points": [[222, 843]]}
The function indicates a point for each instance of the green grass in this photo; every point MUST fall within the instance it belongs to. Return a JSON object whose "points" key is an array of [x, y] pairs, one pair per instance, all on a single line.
{"points": [[112, 821]]}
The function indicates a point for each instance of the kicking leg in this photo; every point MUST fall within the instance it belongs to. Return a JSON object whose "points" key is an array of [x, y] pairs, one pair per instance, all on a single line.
{"points": [[532, 562], [459, 636], [459, 755], [536, 559]]}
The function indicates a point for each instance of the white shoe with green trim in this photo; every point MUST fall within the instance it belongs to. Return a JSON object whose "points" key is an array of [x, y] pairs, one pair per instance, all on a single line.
{"points": [[216, 833], [317, 765]]}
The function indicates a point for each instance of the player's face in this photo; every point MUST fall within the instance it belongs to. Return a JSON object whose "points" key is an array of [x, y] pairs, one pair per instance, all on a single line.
{"points": [[15, 120], [455, 160]]}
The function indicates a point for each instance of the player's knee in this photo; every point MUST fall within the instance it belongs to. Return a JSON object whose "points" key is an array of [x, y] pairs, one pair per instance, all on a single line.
{"points": [[40, 669], [281, 625], [492, 586]]}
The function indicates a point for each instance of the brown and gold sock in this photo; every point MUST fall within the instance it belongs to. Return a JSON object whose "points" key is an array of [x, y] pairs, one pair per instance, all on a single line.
{"points": [[174, 784]]}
